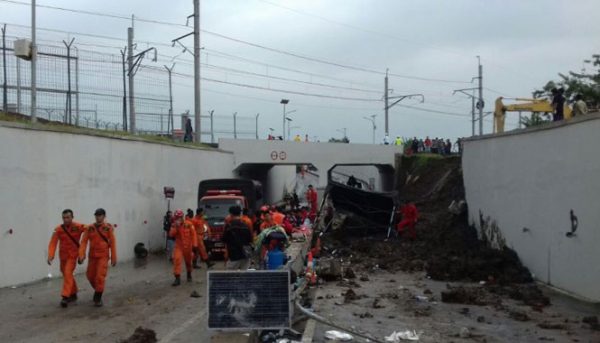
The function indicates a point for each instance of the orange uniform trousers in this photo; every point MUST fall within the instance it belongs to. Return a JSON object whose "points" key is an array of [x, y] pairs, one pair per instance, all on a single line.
{"points": [[180, 255], [96, 272], [67, 267]]}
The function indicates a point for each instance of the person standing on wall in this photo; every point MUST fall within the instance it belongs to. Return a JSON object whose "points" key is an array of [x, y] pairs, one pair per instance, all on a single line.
{"points": [[186, 244], [67, 236], [237, 238], [579, 107], [189, 131], [201, 228], [103, 245]]}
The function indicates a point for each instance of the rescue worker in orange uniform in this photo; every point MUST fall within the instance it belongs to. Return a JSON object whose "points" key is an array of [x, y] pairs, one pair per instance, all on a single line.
{"points": [[69, 236], [277, 216], [103, 246], [267, 221], [245, 218], [186, 244], [201, 228], [409, 219]]}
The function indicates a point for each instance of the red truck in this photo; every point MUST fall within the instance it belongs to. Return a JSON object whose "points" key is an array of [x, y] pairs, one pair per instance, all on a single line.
{"points": [[216, 196]]}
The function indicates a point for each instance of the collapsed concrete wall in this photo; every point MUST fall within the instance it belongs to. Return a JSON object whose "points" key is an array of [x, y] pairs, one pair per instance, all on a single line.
{"points": [[43, 172], [521, 189]]}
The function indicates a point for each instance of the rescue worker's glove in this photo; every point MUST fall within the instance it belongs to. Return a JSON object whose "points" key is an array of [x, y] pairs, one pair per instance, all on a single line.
{"points": [[80, 261], [49, 261], [113, 263]]}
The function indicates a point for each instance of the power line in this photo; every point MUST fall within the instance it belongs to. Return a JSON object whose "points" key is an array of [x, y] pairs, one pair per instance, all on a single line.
{"points": [[279, 51]]}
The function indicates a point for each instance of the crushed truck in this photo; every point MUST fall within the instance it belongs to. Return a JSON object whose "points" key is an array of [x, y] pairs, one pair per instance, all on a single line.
{"points": [[216, 196]]}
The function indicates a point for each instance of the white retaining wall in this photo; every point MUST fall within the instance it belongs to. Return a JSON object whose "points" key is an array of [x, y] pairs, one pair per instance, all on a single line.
{"points": [[44, 172], [525, 184]]}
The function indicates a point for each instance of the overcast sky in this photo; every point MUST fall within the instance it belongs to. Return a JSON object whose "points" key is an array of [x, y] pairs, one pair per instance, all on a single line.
{"points": [[522, 45]]}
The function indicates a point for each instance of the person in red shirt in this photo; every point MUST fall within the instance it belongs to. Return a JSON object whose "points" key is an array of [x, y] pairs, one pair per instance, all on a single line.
{"points": [[311, 197], [67, 236], [410, 215]]}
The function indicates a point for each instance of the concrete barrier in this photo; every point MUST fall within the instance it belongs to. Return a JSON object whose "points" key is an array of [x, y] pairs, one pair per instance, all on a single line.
{"points": [[43, 172], [521, 187]]}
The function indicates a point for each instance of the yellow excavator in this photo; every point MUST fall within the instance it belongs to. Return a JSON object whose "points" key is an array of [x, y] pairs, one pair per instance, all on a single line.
{"points": [[530, 105]]}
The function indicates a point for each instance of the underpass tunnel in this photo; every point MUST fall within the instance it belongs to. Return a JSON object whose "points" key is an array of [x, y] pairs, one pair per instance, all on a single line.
{"points": [[278, 179], [372, 177]]}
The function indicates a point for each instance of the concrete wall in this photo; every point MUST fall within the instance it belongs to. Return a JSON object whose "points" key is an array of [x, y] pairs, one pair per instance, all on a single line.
{"points": [[279, 180], [524, 184], [322, 155], [44, 172]]}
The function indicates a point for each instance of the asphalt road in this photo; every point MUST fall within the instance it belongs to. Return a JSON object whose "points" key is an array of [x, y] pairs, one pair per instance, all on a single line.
{"points": [[135, 296]]}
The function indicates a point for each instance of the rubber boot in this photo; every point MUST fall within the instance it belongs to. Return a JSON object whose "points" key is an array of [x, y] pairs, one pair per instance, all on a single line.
{"points": [[64, 302], [98, 299], [177, 281], [209, 264], [189, 276]]}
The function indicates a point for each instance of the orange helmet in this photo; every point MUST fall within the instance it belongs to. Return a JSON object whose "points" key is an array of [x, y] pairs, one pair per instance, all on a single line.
{"points": [[178, 214]]}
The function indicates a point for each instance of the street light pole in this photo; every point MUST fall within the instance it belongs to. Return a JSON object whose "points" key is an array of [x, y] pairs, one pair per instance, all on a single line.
{"points": [[284, 102], [234, 125], [33, 65], [197, 70], [372, 120], [256, 129]]}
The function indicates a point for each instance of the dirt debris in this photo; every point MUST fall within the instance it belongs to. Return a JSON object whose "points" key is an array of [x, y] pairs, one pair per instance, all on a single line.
{"points": [[552, 326], [141, 335], [519, 316]]}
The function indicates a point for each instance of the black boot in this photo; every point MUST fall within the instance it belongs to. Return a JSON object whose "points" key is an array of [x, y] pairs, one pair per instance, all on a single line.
{"points": [[98, 299], [64, 302], [189, 276], [177, 281], [209, 264], [72, 298]]}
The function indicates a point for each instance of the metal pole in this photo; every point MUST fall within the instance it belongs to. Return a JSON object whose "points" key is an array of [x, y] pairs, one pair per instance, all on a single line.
{"points": [[123, 60], [473, 116], [131, 83], [77, 88], [374, 128], [33, 65], [212, 131], [234, 125], [289, 130], [480, 97], [283, 131], [197, 70], [170, 92], [386, 94], [4, 89], [68, 109], [256, 128], [18, 85], [520, 118]]}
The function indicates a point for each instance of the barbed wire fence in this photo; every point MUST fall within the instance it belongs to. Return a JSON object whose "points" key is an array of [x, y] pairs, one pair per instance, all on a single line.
{"points": [[95, 96]]}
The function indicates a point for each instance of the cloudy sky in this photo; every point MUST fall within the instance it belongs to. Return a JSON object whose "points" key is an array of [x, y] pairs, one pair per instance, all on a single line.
{"points": [[345, 46]]}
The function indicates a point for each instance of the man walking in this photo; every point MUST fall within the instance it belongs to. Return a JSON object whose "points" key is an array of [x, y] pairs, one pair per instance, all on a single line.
{"points": [[103, 245], [409, 219], [67, 235], [201, 227], [186, 243], [237, 237]]}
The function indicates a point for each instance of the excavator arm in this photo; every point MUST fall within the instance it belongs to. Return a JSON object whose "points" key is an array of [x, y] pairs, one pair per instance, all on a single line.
{"points": [[527, 105]]}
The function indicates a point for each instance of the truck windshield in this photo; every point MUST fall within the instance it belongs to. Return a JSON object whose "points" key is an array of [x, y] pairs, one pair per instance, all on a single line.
{"points": [[219, 208]]}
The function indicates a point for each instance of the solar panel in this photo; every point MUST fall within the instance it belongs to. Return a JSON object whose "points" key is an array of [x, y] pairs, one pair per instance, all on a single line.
{"points": [[256, 300]]}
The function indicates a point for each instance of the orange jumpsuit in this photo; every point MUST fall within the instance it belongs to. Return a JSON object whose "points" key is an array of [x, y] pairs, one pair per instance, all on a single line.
{"points": [[186, 240], [267, 224], [103, 246], [199, 224], [68, 253], [278, 217]]}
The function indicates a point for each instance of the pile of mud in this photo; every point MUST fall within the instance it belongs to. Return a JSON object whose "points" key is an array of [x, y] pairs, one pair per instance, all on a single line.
{"points": [[141, 335], [447, 247]]}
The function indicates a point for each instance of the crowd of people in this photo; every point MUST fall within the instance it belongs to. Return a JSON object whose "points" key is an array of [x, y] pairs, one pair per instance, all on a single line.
{"points": [[419, 145]]}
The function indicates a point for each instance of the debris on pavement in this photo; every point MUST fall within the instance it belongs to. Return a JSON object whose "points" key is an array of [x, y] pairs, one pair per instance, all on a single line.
{"points": [[407, 335], [335, 335], [141, 335], [195, 294]]}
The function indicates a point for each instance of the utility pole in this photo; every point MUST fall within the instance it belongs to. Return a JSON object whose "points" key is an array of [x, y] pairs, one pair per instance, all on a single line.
{"points": [[123, 60], [69, 107], [131, 83], [4, 88], [398, 98], [77, 87], [169, 120], [197, 69], [33, 65], [385, 95], [480, 103], [284, 102], [234, 125], [472, 96], [256, 129], [212, 128]]}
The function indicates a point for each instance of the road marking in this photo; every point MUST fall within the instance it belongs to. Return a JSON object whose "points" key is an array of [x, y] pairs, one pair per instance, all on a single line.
{"points": [[169, 337]]}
